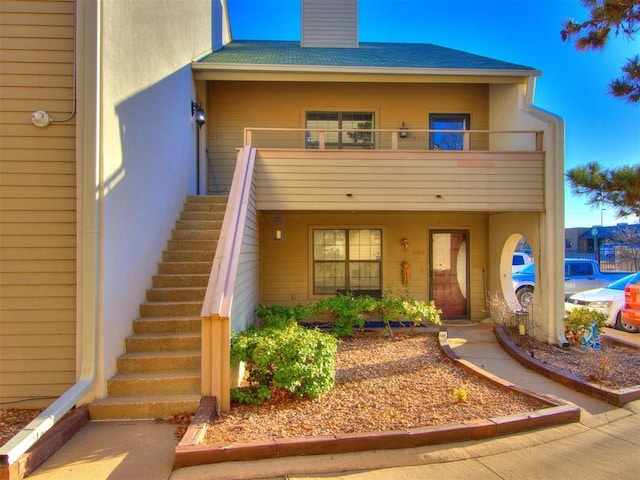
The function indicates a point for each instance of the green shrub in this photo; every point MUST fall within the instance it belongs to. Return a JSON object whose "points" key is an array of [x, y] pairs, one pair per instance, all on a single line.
{"points": [[290, 357], [579, 320], [279, 315], [348, 312]]}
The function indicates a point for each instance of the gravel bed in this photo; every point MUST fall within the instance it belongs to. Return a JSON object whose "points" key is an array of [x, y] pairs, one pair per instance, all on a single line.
{"points": [[12, 420], [615, 365], [381, 385]]}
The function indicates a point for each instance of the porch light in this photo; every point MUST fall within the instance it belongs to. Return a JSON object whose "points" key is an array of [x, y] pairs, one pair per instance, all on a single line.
{"points": [[278, 227], [403, 130], [198, 112], [405, 243]]}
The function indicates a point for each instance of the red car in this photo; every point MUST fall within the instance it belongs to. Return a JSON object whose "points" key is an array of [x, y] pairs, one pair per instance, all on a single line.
{"points": [[631, 312]]}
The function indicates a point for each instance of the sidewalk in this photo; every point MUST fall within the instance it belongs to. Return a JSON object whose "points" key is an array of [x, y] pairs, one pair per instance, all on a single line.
{"points": [[606, 443]]}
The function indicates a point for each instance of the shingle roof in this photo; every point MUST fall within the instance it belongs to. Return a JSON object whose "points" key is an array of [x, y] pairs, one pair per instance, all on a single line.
{"points": [[376, 55]]}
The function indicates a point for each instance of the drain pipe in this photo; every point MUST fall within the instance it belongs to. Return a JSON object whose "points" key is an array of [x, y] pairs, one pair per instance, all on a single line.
{"points": [[558, 197], [88, 289]]}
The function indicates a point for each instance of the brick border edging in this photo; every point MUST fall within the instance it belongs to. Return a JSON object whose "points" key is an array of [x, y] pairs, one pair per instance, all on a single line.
{"points": [[191, 453], [617, 398], [49, 443]]}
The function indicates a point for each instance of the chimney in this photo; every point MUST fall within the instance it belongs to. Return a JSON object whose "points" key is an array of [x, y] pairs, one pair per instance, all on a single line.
{"points": [[330, 23]]}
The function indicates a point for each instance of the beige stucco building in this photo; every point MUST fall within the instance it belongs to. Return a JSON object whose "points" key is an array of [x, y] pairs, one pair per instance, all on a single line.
{"points": [[340, 161]]}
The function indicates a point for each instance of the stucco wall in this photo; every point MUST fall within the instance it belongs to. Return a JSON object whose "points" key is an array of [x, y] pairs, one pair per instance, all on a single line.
{"points": [[148, 145]]}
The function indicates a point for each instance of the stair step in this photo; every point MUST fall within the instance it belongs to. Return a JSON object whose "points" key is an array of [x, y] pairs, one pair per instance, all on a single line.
{"points": [[171, 309], [188, 256], [176, 294], [202, 214], [159, 361], [162, 342], [190, 244], [176, 268], [180, 281], [207, 199], [195, 234], [166, 325], [186, 381], [143, 406], [199, 225]]}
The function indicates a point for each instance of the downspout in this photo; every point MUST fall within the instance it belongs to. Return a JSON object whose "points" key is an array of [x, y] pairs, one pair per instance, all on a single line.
{"points": [[558, 194], [88, 284]]}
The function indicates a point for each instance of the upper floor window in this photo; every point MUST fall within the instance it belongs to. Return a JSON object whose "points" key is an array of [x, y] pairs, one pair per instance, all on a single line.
{"points": [[448, 140], [352, 124]]}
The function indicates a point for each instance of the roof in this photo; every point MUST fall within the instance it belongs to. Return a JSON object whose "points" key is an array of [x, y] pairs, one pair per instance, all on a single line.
{"points": [[609, 232], [385, 56]]}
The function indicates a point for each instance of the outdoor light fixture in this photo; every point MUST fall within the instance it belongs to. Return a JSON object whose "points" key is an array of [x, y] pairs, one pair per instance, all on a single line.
{"points": [[405, 243], [198, 112], [278, 227], [403, 130]]}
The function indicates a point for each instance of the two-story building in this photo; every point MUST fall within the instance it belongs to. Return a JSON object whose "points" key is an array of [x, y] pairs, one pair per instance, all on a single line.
{"points": [[338, 161]]}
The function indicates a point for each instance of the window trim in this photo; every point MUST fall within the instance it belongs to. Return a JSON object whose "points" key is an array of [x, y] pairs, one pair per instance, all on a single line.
{"points": [[346, 229], [450, 116], [340, 145]]}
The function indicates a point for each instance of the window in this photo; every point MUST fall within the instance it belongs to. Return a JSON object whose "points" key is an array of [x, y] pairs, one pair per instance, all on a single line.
{"points": [[346, 260], [352, 122], [448, 140]]}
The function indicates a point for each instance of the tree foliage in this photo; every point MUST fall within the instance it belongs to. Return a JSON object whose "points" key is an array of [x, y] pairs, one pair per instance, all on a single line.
{"points": [[619, 187], [606, 17]]}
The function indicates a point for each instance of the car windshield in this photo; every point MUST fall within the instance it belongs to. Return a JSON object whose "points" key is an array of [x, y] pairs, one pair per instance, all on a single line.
{"points": [[621, 283], [528, 270]]}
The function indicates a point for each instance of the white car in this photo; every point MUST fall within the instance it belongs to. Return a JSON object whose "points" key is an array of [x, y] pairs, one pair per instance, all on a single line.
{"points": [[608, 300], [520, 260]]}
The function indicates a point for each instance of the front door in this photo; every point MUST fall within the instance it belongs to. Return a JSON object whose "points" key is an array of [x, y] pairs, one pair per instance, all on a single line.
{"points": [[449, 267]]}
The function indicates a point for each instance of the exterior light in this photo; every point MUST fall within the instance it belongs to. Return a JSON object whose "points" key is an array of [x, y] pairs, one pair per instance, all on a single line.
{"points": [[405, 243], [403, 130], [198, 112], [278, 227]]}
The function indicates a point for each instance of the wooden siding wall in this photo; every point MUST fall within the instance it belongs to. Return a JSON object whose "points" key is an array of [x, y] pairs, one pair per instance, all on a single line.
{"points": [[37, 203], [286, 273], [379, 180], [246, 289], [232, 106], [330, 23]]}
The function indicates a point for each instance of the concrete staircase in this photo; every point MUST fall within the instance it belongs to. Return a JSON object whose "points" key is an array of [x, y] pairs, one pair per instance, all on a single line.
{"points": [[159, 375]]}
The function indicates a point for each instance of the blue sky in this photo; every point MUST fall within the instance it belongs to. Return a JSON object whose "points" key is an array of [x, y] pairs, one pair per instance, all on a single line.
{"points": [[599, 128]]}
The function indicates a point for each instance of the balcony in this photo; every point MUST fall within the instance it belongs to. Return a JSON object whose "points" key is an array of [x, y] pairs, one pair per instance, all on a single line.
{"points": [[395, 170]]}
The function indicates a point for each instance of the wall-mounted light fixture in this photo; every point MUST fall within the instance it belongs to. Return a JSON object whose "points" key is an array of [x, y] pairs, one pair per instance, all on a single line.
{"points": [[405, 243], [198, 112], [403, 130], [278, 227]]}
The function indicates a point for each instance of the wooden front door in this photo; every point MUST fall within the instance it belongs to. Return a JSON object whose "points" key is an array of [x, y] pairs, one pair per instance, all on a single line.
{"points": [[449, 267]]}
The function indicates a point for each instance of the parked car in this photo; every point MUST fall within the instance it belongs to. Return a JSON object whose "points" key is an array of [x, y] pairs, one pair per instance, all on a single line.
{"points": [[608, 300], [631, 311], [579, 275], [520, 260]]}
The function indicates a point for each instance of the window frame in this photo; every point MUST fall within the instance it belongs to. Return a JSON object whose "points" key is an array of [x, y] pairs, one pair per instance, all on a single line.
{"points": [[346, 262], [449, 117], [340, 144]]}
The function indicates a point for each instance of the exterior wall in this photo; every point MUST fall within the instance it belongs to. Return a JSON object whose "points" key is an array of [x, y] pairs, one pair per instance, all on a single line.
{"points": [[37, 203], [400, 180], [148, 145], [287, 265], [232, 106]]}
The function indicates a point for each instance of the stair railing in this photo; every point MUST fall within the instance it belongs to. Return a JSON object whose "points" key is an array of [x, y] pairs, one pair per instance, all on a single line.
{"points": [[216, 309]]}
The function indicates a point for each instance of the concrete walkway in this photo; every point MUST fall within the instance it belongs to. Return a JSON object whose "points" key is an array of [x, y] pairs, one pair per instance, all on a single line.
{"points": [[605, 444]]}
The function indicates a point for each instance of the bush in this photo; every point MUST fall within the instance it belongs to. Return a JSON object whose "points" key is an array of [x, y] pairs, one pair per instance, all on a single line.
{"points": [[348, 312], [279, 315], [290, 357], [580, 320]]}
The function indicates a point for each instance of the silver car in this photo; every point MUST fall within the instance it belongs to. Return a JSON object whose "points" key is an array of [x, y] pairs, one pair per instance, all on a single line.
{"points": [[608, 300]]}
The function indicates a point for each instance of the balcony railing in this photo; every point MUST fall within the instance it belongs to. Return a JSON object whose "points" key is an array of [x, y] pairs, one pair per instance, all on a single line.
{"points": [[394, 139]]}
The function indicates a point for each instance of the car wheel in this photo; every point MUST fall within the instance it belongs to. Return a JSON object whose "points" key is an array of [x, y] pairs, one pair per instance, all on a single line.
{"points": [[525, 296], [624, 326]]}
